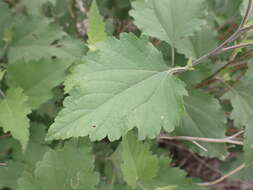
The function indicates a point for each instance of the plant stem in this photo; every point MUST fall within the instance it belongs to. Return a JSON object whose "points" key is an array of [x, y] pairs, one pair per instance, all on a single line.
{"points": [[203, 139], [221, 48], [223, 177], [241, 29], [237, 46]]}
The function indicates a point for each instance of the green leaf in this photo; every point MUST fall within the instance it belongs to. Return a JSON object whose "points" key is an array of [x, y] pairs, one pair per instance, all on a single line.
{"points": [[242, 101], [13, 115], [10, 173], [164, 20], [2, 73], [138, 162], [199, 44], [36, 147], [5, 22], [24, 161], [52, 107], [248, 143], [68, 168], [96, 26], [37, 78], [203, 118], [171, 176], [127, 85], [36, 38], [35, 7], [245, 174]]}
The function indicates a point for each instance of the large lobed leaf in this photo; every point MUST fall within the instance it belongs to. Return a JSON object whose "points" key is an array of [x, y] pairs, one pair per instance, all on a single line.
{"points": [[126, 85], [13, 115]]}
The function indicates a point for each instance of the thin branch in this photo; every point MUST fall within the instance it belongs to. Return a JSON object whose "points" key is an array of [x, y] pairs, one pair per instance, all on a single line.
{"points": [[241, 29], [180, 146], [226, 84], [178, 70], [218, 71], [3, 164], [200, 146], [203, 139], [237, 46], [218, 50], [247, 14], [223, 177], [236, 134]]}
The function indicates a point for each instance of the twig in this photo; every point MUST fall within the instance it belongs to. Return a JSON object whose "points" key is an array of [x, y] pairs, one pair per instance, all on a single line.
{"points": [[247, 14], [237, 46], [241, 29], [221, 48], [179, 146], [200, 146], [236, 134], [223, 177], [178, 70], [3, 164], [203, 139], [226, 84]]}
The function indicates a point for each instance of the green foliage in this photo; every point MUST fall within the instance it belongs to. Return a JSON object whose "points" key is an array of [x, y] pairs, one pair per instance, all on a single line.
{"points": [[37, 85], [166, 18], [138, 162], [241, 99], [24, 160], [13, 115], [35, 7], [36, 38], [169, 176], [116, 77], [96, 27], [203, 118], [67, 171], [148, 75], [193, 46]]}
